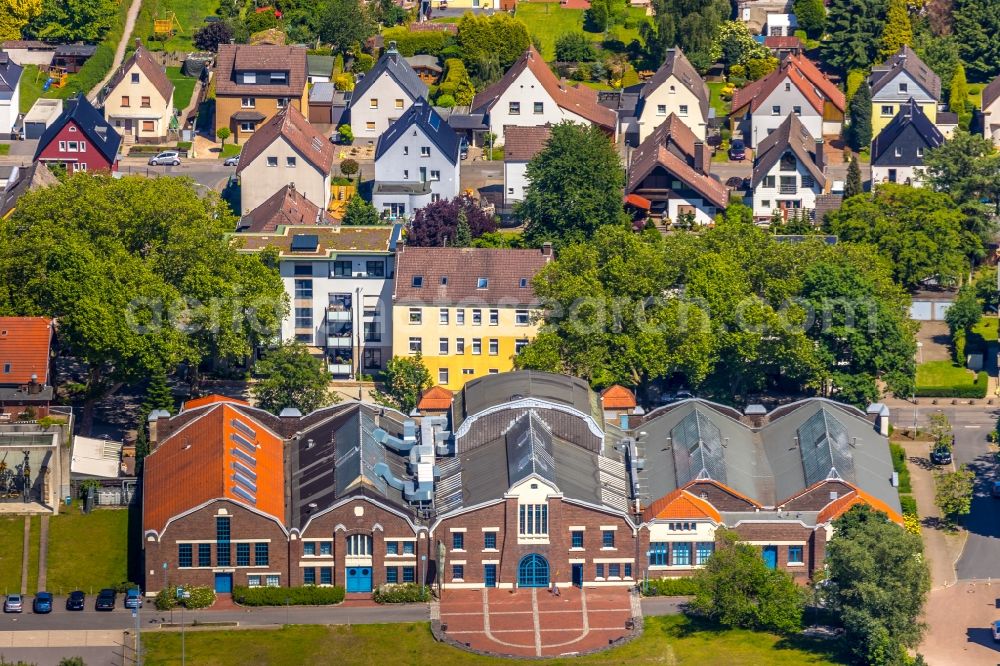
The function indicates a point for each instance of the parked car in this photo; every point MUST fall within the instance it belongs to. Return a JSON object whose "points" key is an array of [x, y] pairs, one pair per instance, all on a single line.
{"points": [[941, 456], [231, 161], [75, 601], [42, 603], [463, 148], [133, 598], [996, 631], [13, 604], [737, 150], [106, 600], [995, 489], [171, 157]]}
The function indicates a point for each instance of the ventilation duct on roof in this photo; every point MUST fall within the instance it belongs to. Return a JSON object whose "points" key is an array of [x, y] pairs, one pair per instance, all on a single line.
{"points": [[422, 462]]}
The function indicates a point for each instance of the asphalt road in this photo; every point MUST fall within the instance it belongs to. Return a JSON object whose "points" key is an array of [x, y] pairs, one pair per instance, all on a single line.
{"points": [[980, 559]]}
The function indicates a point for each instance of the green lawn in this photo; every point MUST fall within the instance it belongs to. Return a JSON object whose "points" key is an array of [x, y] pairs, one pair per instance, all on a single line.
{"points": [[31, 88], [986, 328], [34, 546], [976, 94], [190, 13], [666, 640], [183, 87], [720, 105], [230, 150], [87, 552], [11, 545], [548, 21], [4, 149]]}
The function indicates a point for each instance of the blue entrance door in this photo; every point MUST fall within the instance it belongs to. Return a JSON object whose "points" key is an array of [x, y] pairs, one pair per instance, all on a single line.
{"points": [[771, 556], [490, 575], [223, 582], [578, 575], [359, 579], [533, 571]]}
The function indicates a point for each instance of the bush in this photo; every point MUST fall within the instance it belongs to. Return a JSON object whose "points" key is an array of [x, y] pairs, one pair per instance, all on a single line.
{"points": [[909, 505], [362, 63], [201, 597], [308, 595], [445, 101], [899, 466], [402, 593], [411, 43], [670, 587]]}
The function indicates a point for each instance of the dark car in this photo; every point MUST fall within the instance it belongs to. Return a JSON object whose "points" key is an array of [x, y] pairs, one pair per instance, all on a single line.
{"points": [[737, 150], [463, 148], [133, 598], [941, 456], [106, 600], [42, 603], [75, 601]]}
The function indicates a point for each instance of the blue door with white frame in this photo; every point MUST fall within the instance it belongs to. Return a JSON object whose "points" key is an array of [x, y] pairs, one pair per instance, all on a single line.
{"points": [[224, 583], [770, 554], [359, 579], [533, 571], [490, 575]]}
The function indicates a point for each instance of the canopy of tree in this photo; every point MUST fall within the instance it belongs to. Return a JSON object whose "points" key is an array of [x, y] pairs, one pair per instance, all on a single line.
{"points": [[921, 232], [436, 224], [491, 43], [15, 15], [977, 31], [405, 379], [730, 311], [75, 20], [689, 24], [141, 275], [854, 31], [575, 186], [289, 376]]}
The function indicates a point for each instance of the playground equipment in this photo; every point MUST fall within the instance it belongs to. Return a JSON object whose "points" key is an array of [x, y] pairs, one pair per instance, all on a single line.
{"points": [[167, 26], [57, 77]]}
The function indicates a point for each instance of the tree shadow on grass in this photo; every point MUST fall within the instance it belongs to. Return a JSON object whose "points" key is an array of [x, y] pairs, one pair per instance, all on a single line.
{"points": [[824, 649]]}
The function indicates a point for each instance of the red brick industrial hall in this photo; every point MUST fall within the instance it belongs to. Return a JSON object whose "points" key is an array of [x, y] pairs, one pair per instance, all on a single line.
{"points": [[527, 480]]}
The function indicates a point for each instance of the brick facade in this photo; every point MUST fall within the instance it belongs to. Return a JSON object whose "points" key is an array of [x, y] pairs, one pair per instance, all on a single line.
{"points": [[817, 497], [782, 532], [720, 498]]}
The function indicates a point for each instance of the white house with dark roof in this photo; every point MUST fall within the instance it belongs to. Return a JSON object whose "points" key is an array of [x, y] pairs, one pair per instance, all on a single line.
{"points": [[788, 171], [140, 99], [676, 88], [897, 154], [416, 162], [521, 145], [10, 93], [383, 95]]}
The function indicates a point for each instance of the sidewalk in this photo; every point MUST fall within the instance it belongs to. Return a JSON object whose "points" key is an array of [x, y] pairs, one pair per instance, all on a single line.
{"points": [[66, 638], [941, 548], [133, 14]]}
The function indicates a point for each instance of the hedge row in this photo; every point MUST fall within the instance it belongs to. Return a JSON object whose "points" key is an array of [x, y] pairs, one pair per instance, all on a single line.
{"points": [[308, 595], [93, 70], [402, 593], [670, 587], [411, 43], [976, 389], [908, 504], [899, 466]]}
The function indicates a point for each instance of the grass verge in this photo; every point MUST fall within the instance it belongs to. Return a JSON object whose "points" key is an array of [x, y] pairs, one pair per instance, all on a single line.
{"points": [[87, 552], [986, 328], [720, 105], [899, 466], [947, 380], [666, 640], [34, 548], [4, 149], [183, 87], [11, 544]]}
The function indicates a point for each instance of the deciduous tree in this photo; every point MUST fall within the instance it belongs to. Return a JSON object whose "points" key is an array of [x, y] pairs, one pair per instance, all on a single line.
{"points": [[75, 20], [574, 47], [289, 376], [953, 493], [498, 38], [811, 16], [965, 312], [737, 589], [436, 224], [344, 23], [878, 583], [212, 34], [575, 186], [360, 213], [15, 16], [689, 24], [405, 379]]}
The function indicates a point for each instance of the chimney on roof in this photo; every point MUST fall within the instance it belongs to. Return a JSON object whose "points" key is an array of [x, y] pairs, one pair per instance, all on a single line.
{"points": [[699, 156], [392, 51], [138, 42], [820, 157], [290, 417], [546, 249]]}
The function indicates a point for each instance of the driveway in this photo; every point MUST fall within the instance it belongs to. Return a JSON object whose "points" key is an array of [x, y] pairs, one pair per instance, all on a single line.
{"points": [[958, 619]]}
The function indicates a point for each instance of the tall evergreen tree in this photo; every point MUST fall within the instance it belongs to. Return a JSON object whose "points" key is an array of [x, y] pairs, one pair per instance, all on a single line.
{"points": [[977, 29], [463, 232], [852, 187], [859, 131], [158, 394], [897, 32], [854, 29], [958, 93]]}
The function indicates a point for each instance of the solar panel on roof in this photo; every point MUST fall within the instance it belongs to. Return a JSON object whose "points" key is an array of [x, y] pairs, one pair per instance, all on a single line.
{"points": [[305, 242]]}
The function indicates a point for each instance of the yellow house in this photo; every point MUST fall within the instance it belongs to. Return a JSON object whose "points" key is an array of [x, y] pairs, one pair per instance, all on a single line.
{"points": [[904, 76], [466, 311], [140, 99]]}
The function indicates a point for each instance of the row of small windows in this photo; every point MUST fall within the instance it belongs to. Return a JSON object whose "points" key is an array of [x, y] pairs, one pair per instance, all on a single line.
{"points": [[614, 570], [392, 574], [481, 283], [185, 554], [325, 575], [374, 268], [664, 553], [416, 346], [521, 317], [270, 580]]}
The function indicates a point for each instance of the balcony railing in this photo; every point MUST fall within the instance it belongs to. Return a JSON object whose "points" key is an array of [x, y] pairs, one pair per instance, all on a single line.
{"points": [[338, 313], [788, 189], [339, 341], [340, 368]]}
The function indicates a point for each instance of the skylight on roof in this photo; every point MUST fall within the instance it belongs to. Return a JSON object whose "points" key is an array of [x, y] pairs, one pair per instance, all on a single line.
{"points": [[418, 281], [433, 119], [524, 283], [482, 283]]}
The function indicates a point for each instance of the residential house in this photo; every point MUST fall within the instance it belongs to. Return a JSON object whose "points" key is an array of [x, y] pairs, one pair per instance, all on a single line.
{"points": [[529, 94], [25, 367], [520, 147], [783, 46], [902, 77], [320, 68], [383, 95], [796, 87], [427, 67], [10, 93], [24, 179], [466, 311], [756, 12], [80, 139], [140, 99], [897, 154], [991, 111], [517, 477], [285, 208], [253, 83], [777, 479], [670, 170], [416, 162], [788, 171], [780, 25], [618, 402], [339, 280], [286, 150], [676, 88]]}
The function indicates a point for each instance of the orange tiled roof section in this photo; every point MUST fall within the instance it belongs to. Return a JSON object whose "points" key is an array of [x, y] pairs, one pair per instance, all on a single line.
{"points": [[195, 465], [803, 73], [841, 505], [681, 505], [24, 346], [618, 397], [211, 399], [436, 398]]}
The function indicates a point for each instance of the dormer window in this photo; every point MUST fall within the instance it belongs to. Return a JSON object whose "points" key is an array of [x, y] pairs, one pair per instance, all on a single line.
{"points": [[249, 77], [899, 151], [418, 281], [278, 77]]}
